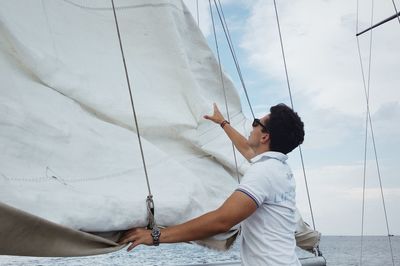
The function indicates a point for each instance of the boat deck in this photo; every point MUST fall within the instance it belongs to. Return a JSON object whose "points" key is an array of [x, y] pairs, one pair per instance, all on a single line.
{"points": [[312, 261]]}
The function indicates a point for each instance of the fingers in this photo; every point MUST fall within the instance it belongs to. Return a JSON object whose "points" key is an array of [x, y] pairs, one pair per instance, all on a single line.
{"points": [[131, 238], [127, 236], [137, 240], [216, 109], [216, 117], [133, 245], [133, 233], [135, 237], [124, 240], [217, 112]]}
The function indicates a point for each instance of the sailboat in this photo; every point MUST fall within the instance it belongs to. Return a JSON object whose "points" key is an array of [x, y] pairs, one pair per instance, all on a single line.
{"points": [[77, 168]]}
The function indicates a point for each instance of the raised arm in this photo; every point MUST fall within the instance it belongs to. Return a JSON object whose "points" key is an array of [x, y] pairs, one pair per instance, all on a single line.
{"points": [[238, 139]]}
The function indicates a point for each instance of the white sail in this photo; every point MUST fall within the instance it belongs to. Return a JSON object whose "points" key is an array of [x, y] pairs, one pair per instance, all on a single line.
{"points": [[70, 153]]}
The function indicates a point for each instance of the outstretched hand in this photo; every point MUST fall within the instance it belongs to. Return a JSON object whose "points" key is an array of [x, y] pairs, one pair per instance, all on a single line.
{"points": [[136, 236], [217, 117]]}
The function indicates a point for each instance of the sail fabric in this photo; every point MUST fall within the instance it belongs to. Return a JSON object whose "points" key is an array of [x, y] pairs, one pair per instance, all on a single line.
{"points": [[306, 238], [70, 152], [28, 235], [70, 148]]}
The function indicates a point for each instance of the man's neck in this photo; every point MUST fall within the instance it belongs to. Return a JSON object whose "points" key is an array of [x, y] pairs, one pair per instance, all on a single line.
{"points": [[260, 150]]}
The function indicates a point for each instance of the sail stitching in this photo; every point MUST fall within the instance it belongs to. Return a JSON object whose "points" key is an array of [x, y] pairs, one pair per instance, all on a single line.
{"points": [[119, 7], [67, 180]]}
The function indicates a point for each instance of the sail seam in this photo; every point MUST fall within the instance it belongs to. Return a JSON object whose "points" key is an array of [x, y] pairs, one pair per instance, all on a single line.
{"points": [[121, 7]]}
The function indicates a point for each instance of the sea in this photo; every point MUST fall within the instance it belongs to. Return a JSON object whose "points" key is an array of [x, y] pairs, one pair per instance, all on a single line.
{"points": [[337, 250]]}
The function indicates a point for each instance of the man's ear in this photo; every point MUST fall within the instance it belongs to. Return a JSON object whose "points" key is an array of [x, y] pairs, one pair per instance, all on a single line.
{"points": [[265, 138]]}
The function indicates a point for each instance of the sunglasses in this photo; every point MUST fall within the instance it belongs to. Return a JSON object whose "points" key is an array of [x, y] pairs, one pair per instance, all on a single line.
{"points": [[257, 122]]}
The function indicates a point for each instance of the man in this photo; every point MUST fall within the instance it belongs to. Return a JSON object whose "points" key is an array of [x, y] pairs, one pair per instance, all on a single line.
{"points": [[264, 201]]}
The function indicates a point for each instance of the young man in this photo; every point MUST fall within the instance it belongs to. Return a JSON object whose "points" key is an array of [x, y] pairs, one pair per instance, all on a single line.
{"points": [[264, 202]]}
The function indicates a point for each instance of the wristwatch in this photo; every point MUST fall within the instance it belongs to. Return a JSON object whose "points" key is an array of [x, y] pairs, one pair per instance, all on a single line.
{"points": [[155, 234]]}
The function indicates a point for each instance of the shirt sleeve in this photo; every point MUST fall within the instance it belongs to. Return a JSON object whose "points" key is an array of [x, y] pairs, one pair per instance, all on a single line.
{"points": [[255, 184]]}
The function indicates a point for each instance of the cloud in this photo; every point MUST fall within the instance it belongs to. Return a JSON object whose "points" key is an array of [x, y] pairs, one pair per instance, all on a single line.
{"points": [[336, 194], [386, 119], [321, 51], [200, 10]]}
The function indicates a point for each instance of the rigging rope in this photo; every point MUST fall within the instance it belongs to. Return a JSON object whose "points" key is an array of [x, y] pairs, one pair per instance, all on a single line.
{"points": [[223, 87], [229, 40], [291, 101], [369, 121], [366, 130], [397, 12], [197, 9], [149, 200], [230, 44], [233, 53]]}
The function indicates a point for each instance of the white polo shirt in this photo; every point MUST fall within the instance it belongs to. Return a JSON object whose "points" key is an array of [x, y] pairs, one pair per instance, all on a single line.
{"points": [[268, 235]]}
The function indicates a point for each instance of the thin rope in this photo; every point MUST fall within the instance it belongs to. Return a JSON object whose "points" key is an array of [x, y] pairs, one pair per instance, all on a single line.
{"points": [[381, 188], [198, 17], [365, 141], [365, 150], [223, 22], [397, 12], [232, 50], [368, 119], [363, 193], [291, 102], [283, 54], [131, 98], [226, 25], [223, 87], [365, 155], [230, 43]]}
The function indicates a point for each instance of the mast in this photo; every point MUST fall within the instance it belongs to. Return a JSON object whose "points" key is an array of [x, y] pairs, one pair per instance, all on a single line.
{"points": [[380, 23]]}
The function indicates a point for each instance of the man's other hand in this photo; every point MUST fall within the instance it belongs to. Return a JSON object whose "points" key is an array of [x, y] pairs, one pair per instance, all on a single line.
{"points": [[136, 236]]}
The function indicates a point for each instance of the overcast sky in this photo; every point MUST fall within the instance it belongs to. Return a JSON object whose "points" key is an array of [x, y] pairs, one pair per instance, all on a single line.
{"points": [[328, 93]]}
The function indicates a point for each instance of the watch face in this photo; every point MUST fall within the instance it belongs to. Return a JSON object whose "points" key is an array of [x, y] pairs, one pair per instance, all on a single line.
{"points": [[155, 232]]}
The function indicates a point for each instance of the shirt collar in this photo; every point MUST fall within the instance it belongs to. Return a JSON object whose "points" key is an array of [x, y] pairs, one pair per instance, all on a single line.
{"points": [[270, 154]]}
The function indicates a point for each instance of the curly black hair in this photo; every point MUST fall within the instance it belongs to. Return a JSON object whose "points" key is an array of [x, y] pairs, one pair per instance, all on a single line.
{"points": [[285, 128]]}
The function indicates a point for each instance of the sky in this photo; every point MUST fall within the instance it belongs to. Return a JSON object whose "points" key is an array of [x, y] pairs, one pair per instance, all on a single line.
{"points": [[329, 94]]}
